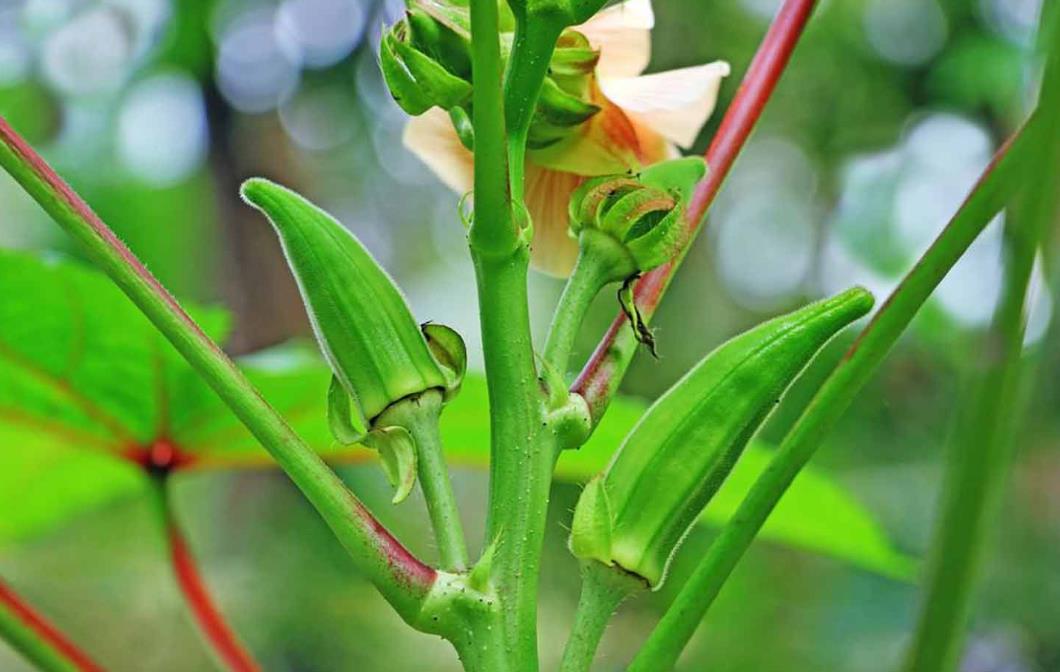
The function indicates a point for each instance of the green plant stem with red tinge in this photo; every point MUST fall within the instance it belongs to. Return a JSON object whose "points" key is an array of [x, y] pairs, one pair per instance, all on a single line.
{"points": [[404, 580], [37, 639], [600, 377], [681, 620], [208, 617], [981, 449]]}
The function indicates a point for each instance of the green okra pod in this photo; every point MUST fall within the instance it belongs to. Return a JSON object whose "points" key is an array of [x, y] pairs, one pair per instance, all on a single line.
{"points": [[636, 513]]}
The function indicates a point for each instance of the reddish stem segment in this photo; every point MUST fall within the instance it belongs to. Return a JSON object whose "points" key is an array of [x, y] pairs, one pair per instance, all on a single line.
{"points": [[209, 618], [45, 631], [598, 380], [403, 579]]}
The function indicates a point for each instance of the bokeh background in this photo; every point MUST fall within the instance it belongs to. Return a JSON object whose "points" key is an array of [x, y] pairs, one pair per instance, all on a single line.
{"points": [[155, 110]]}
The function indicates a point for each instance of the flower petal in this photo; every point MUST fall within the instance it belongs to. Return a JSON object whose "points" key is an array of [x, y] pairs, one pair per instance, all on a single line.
{"points": [[547, 194], [675, 103], [622, 33], [433, 140]]}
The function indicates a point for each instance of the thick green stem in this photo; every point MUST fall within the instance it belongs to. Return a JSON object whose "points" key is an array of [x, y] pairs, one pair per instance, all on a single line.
{"points": [[420, 416], [520, 450], [399, 576], [521, 455], [591, 274], [535, 39], [38, 640], [603, 589], [681, 620], [493, 230]]}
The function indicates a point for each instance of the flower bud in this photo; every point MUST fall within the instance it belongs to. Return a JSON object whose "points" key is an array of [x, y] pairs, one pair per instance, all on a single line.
{"points": [[425, 64], [667, 469], [636, 221], [366, 331]]}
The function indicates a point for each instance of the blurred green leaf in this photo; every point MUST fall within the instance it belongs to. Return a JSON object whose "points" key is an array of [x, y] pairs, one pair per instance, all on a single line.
{"points": [[86, 381], [84, 378]]}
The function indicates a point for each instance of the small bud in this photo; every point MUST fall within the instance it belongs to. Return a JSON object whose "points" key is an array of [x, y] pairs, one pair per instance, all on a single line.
{"points": [[673, 462], [416, 55], [637, 222], [574, 57], [557, 116]]}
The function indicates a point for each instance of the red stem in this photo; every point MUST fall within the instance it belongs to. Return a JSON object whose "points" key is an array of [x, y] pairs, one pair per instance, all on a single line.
{"points": [[46, 631], [596, 381], [197, 596]]}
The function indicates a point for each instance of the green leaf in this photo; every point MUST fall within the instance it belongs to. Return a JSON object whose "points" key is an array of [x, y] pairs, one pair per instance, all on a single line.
{"points": [[70, 336], [87, 386]]}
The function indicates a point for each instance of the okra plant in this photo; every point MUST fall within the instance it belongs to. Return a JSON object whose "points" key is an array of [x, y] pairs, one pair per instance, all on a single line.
{"points": [[568, 163]]}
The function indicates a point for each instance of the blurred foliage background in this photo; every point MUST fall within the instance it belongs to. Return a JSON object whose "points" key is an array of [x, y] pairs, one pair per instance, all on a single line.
{"points": [[155, 110]]}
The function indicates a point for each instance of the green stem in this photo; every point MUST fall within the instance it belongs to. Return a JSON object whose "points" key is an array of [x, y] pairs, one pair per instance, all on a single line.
{"points": [[980, 452], [603, 589], [521, 456], [532, 47], [399, 576], [37, 639], [493, 231], [520, 451], [591, 274], [420, 416], [695, 598], [977, 469]]}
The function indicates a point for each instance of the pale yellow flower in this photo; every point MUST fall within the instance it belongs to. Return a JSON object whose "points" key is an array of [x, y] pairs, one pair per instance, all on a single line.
{"points": [[643, 120]]}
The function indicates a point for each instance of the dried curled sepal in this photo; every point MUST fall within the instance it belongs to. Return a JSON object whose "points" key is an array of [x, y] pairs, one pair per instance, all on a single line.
{"points": [[675, 459], [450, 352], [397, 453], [364, 326]]}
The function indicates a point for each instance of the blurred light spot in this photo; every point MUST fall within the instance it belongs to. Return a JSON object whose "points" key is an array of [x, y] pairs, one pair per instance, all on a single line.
{"points": [[765, 249], [764, 231], [40, 16], [146, 20], [864, 217], [945, 154], [396, 161], [840, 270], [1016, 20], [371, 88], [162, 131], [254, 71], [323, 31], [764, 9], [390, 11], [14, 52], [905, 32], [320, 118], [971, 290], [1040, 306], [90, 54], [994, 652], [895, 203]]}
